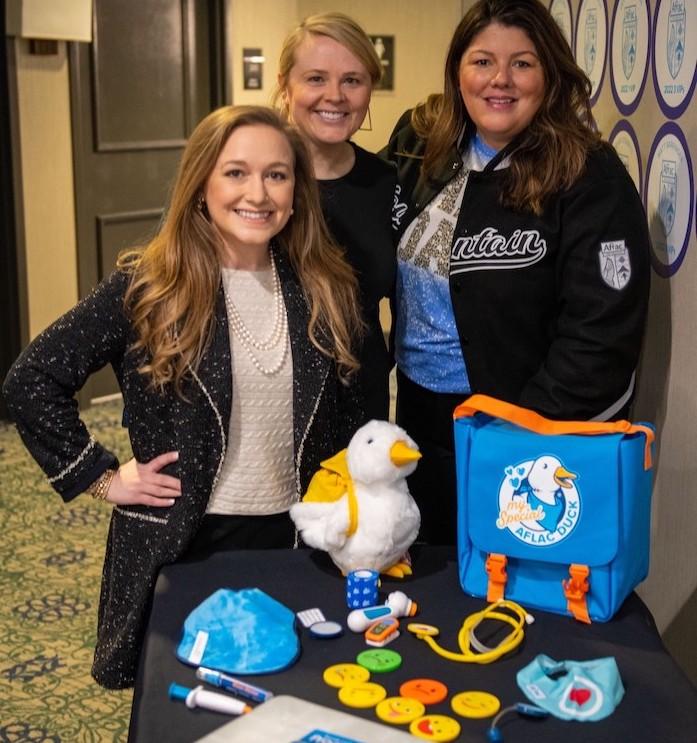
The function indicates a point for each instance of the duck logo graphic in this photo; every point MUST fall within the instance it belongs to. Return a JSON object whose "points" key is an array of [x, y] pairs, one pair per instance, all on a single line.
{"points": [[615, 267], [675, 47], [590, 47], [539, 502], [629, 33]]}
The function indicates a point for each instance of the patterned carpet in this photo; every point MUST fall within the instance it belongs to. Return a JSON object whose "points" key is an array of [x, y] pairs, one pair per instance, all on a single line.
{"points": [[50, 566]]}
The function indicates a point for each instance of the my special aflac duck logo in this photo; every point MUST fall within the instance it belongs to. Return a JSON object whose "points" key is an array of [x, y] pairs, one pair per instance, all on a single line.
{"points": [[539, 502]]}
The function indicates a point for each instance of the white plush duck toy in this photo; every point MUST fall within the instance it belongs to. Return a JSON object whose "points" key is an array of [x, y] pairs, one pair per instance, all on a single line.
{"points": [[358, 507]]}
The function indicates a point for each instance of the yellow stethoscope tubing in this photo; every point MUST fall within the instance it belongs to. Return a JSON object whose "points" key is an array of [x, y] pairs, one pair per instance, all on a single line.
{"points": [[466, 634]]}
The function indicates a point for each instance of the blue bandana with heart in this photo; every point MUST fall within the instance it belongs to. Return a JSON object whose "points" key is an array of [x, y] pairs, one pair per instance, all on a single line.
{"points": [[573, 690]]}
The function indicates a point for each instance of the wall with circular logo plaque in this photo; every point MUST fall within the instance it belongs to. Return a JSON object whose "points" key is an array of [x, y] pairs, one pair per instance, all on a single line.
{"points": [[669, 196], [651, 120], [675, 54], [629, 53], [623, 138], [591, 42], [561, 12]]}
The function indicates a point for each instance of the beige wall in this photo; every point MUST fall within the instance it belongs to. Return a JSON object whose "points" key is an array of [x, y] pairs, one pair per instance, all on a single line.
{"points": [[422, 32], [258, 24], [47, 184]]}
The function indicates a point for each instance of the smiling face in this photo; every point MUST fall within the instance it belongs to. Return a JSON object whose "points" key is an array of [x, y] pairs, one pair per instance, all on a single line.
{"points": [[475, 704], [435, 727], [502, 83], [249, 193], [399, 710], [327, 91]]}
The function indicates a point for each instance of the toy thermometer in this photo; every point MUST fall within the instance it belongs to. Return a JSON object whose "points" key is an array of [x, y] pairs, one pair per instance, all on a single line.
{"points": [[360, 619], [398, 604]]}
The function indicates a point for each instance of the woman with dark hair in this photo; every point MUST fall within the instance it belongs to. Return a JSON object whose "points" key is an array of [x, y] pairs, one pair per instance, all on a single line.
{"points": [[523, 268], [231, 335]]}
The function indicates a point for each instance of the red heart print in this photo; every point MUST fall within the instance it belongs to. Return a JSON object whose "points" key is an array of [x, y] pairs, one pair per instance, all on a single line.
{"points": [[580, 696]]}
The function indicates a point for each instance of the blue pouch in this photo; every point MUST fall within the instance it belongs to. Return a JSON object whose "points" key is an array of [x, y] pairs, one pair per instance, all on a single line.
{"points": [[552, 514], [240, 632]]}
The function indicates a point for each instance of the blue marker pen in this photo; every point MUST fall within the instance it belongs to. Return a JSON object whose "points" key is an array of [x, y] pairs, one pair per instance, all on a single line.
{"points": [[242, 688]]}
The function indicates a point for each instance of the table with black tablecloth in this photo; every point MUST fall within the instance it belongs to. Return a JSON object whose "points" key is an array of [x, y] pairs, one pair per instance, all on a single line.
{"points": [[659, 706]]}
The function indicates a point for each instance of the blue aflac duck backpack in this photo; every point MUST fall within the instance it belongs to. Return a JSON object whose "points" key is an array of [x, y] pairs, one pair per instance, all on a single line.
{"points": [[552, 514]]}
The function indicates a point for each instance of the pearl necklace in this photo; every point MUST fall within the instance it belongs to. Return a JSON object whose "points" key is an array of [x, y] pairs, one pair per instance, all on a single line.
{"points": [[278, 332]]}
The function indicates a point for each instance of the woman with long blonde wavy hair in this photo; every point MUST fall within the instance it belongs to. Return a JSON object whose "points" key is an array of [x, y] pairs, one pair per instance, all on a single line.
{"points": [[232, 336]]}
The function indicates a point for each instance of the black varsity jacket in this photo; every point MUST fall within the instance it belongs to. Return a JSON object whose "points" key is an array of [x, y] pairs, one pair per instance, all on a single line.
{"points": [[550, 309]]}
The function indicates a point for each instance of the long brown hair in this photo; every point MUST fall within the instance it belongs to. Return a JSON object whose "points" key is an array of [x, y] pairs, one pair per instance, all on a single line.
{"points": [[175, 278], [551, 153]]}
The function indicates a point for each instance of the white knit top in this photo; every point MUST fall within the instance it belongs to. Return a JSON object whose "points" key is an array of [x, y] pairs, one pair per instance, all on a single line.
{"points": [[258, 474]]}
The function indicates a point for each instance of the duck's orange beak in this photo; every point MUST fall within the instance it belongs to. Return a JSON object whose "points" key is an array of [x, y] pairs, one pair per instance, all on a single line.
{"points": [[562, 477], [401, 453]]}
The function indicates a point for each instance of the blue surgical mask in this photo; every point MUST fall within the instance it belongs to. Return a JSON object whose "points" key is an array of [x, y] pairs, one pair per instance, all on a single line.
{"points": [[573, 690]]}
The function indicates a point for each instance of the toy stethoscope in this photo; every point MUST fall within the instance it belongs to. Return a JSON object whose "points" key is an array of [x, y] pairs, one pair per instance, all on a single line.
{"points": [[467, 640]]}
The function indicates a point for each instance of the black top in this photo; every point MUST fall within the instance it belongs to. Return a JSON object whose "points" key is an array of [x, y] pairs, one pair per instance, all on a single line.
{"points": [[358, 209]]}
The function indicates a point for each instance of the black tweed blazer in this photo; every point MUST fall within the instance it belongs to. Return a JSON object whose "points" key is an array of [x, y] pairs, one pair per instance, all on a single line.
{"points": [[39, 390]]}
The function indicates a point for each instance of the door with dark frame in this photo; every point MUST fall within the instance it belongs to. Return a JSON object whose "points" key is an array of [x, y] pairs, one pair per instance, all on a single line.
{"points": [[153, 71]]}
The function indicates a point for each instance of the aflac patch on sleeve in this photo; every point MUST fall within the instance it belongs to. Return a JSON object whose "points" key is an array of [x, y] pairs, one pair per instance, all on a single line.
{"points": [[615, 266], [240, 632]]}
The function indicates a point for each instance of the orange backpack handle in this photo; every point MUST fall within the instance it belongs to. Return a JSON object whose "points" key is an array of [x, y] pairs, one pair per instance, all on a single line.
{"points": [[532, 421]]}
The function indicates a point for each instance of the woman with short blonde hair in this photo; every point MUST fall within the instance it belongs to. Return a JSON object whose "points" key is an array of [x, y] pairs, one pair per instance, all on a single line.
{"points": [[327, 71]]}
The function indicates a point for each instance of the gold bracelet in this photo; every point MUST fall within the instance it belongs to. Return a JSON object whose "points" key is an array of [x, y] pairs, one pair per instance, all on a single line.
{"points": [[100, 487]]}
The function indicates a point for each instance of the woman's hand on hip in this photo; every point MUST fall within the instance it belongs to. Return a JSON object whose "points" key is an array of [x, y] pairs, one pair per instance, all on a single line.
{"points": [[137, 483]]}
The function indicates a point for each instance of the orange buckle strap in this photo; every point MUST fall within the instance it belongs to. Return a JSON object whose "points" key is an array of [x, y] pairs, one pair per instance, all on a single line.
{"points": [[496, 570], [575, 590]]}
